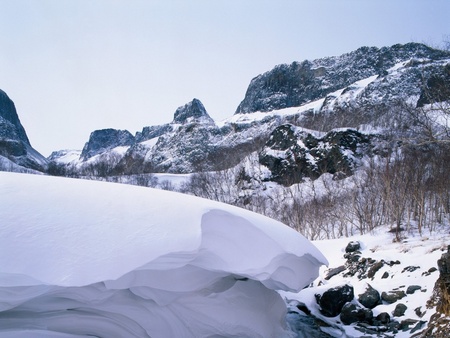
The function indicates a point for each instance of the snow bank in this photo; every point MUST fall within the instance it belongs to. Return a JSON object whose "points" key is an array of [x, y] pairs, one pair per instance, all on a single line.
{"points": [[81, 258]]}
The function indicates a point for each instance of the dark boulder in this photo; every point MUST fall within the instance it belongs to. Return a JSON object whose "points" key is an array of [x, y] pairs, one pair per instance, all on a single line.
{"points": [[412, 288], [392, 296], [352, 313], [370, 297], [374, 269], [399, 310], [332, 300], [383, 318], [335, 271], [353, 246]]}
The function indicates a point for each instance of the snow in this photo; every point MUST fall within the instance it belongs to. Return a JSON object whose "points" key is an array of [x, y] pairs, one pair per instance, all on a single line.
{"points": [[69, 156], [259, 116], [414, 250], [82, 258], [151, 142]]}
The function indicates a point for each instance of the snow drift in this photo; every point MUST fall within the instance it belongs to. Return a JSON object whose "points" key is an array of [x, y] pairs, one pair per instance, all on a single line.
{"points": [[83, 258]]}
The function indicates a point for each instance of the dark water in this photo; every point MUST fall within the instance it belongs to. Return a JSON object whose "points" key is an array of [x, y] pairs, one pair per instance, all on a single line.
{"points": [[305, 326]]}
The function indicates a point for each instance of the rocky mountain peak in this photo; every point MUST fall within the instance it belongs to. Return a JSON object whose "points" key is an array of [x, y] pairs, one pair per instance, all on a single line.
{"points": [[193, 111], [106, 139], [11, 128], [300, 82], [14, 143]]}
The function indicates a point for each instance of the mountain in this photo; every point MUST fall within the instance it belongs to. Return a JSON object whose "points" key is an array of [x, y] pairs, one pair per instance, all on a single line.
{"points": [[338, 147], [16, 152], [368, 90], [302, 82]]}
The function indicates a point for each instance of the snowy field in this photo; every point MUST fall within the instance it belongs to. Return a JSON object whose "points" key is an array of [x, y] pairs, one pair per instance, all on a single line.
{"points": [[85, 258]]}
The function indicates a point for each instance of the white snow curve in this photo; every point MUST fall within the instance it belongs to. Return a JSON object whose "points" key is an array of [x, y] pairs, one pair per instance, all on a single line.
{"points": [[83, 258]]}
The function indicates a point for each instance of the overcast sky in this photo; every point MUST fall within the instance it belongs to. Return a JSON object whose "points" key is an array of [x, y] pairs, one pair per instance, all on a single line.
{"points": [[74, 66]]}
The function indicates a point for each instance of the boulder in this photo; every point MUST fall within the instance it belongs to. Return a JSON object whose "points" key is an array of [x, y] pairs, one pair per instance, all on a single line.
{"points": [[352, 246], [383, 318], [399, 310], [352, 313], [332, 301], [334, 271], [374, 268], [370, 297], [412, 288], [392, 296]]}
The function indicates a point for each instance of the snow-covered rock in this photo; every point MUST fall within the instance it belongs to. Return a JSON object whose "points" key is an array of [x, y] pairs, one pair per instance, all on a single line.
{"points": [[406, 279], [83, 258]]}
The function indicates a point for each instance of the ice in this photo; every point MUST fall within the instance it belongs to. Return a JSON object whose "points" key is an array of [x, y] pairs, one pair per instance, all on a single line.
{"points": [[85, 258]]}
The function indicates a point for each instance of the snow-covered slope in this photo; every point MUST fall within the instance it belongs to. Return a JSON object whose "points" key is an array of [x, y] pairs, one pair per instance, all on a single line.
{"points": [[84, 258], [401, 275]]}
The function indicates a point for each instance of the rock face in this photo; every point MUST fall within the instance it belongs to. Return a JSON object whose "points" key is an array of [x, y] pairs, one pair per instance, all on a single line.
{"points": [[301, 82], [193, 111], [439, 326], [292, 154], [14, 143], [104, 140], [192, 142]]}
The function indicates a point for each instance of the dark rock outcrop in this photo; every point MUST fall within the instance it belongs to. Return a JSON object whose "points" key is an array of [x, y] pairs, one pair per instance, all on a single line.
{"points": [[292, 154], [104, 140], [301, 82], [14, 143], [439, 325]]}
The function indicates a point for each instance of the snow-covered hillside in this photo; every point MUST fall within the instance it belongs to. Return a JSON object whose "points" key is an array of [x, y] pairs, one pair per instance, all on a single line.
{"points": [[403, 275], [84, 258]]}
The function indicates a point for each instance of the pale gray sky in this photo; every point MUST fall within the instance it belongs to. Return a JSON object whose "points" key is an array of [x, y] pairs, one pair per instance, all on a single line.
{"points": [[73, 66]]}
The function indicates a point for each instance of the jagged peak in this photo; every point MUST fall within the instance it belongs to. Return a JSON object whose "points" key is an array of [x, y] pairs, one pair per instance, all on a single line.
{"points": [[292, 85], [105, 139], [193, 111]]}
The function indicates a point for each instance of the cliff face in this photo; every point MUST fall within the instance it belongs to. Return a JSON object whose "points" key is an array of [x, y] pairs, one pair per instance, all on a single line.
{"points": [[14, 144], [301, 82], [103, 140], [439, 326]]}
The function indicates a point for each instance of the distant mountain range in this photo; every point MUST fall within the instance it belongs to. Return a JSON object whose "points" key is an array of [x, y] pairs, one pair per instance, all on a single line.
{"points": [[288, 116]]}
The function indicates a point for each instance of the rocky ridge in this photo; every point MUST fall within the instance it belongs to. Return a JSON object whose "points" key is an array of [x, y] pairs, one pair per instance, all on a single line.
{"points": [[15, 149], [353, 90], [301, 82]]}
